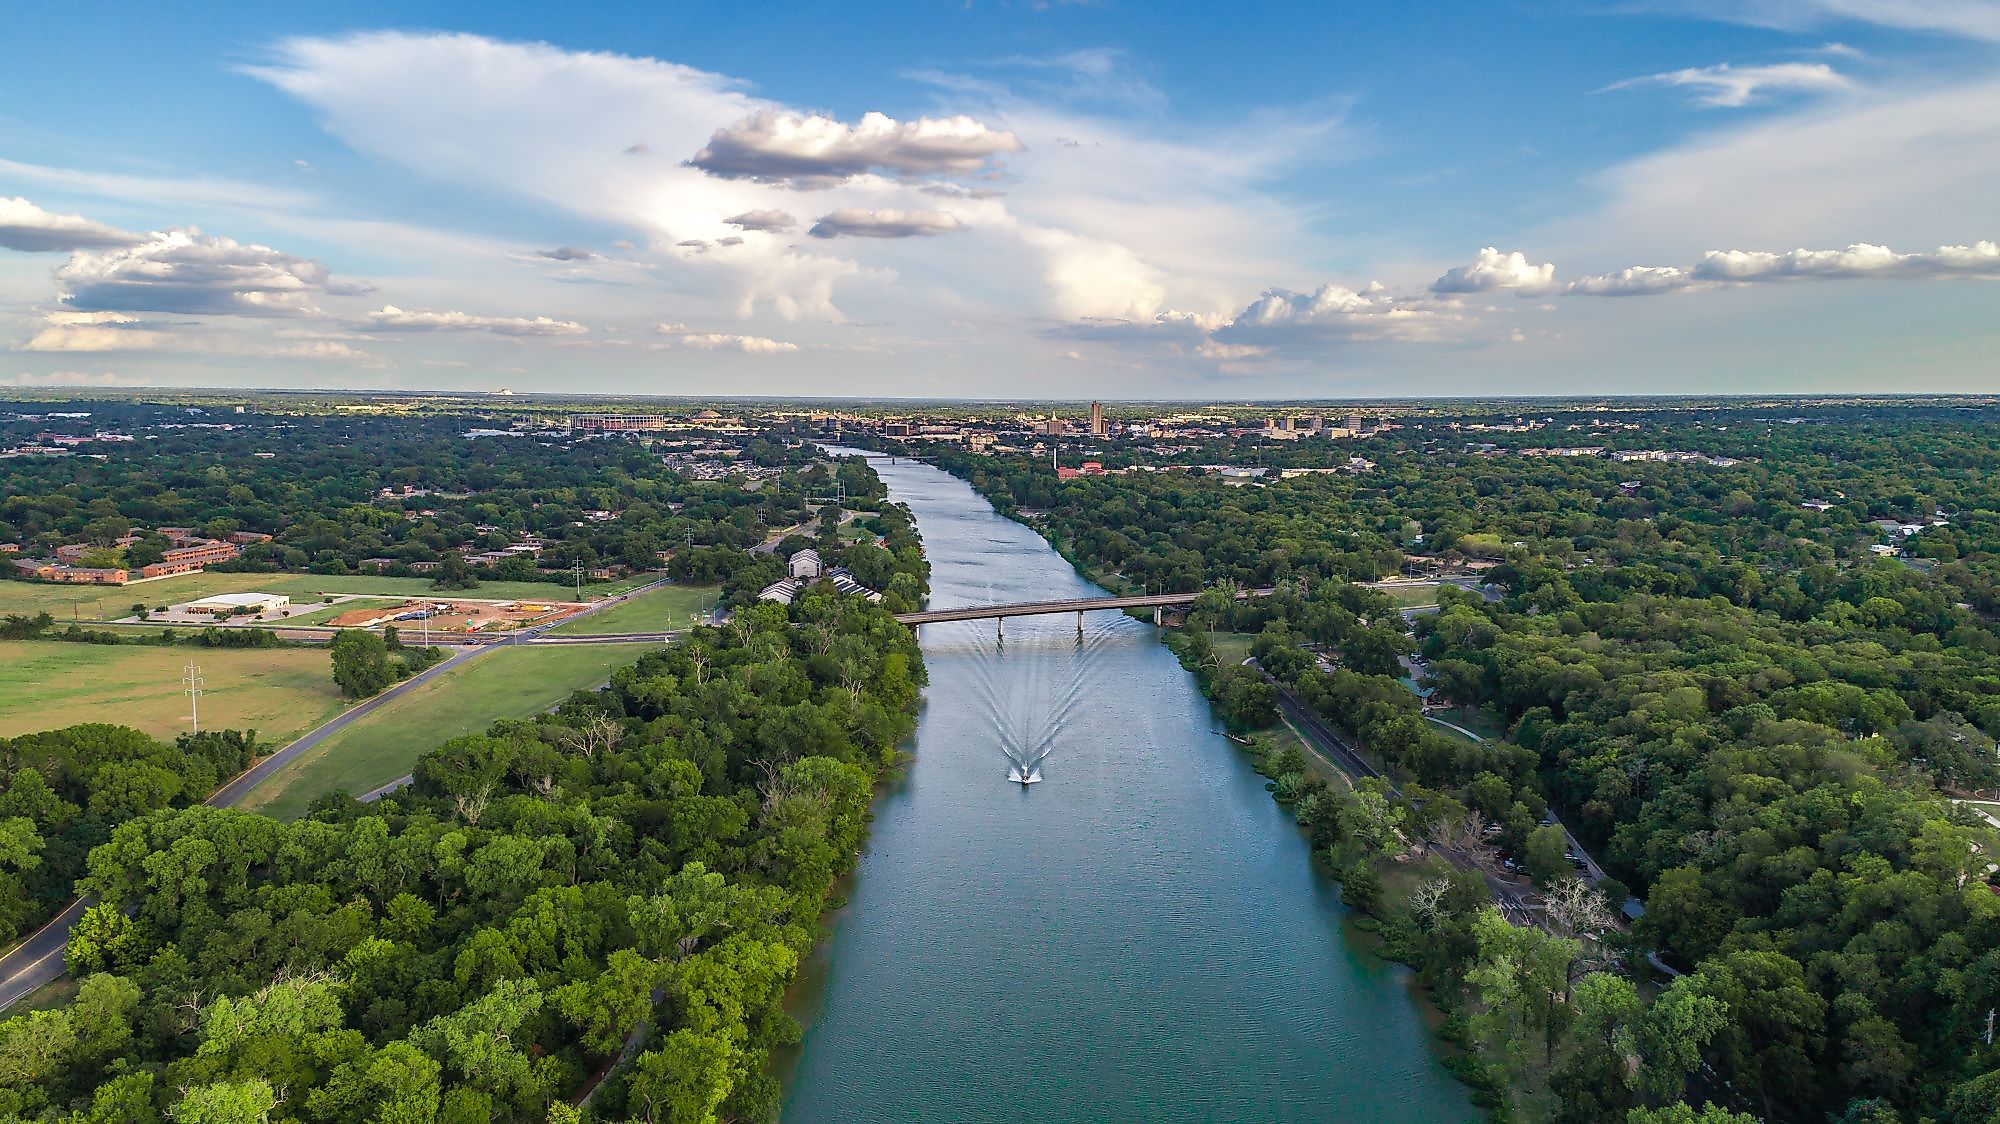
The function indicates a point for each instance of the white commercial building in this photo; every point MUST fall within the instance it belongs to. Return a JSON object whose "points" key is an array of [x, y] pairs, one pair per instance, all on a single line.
{"points": [[227, 604]]}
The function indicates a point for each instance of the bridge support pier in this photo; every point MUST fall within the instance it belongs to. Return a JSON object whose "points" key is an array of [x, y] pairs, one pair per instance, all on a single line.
{"points": [[1156, 616], [1079, 622], [1000, 628]]}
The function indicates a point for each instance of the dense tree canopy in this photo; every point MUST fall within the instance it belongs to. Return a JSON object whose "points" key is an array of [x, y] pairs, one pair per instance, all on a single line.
{"points": [[647, 864], [1747, 698]]}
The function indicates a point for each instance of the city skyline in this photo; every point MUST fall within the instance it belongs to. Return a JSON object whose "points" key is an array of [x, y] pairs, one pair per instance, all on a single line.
{"points": [[1005, 201]]}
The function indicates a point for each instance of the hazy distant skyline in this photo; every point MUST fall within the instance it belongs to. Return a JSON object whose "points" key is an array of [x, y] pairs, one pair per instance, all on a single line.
{"points": [[999, 200]]}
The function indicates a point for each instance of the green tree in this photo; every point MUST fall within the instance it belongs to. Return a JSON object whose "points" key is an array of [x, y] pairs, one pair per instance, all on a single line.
{"points": [[1686, 1114], [684, 1080], [226, 1102], [1770, 1041], [1520, 977], [361, 663], [1670, 1038], [1545, 855], [453, 573]]}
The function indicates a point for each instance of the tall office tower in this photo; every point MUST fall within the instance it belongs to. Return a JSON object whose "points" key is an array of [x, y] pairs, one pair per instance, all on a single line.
{"points": [[1097, 419]]}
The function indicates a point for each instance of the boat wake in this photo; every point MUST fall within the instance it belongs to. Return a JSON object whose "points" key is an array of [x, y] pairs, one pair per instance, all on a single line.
{"points": [[1031, 684]]}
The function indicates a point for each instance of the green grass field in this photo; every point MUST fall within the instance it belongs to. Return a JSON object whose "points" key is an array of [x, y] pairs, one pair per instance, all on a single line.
{"points": [[110, 602], [1407, 595], [673, 605], [279, 692], [321, 616], [1479, 720], [513, 682], [1231, 647]]}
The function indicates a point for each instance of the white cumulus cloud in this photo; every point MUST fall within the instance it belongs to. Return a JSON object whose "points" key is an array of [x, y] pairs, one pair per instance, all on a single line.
{"points": [[750, 345], [1492, 270], [1336, 313], [887, 223], [186, 271], [92, 331], [1861, 261], [391, 318], [768, 219], [26, 227], [809, 150]]}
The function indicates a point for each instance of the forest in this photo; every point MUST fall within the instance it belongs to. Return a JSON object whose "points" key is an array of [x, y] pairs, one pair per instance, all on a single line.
{"points": [[314, 481], [67, 790], [1758, 722], [595, 910]]}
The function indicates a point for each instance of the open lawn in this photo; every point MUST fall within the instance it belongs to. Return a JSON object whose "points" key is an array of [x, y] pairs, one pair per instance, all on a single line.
{"points": [[1477, 719], [110, 602], [1410, 594], [513, 682], [348, 605], [1231, 647], [655, 611], [279, 692]]}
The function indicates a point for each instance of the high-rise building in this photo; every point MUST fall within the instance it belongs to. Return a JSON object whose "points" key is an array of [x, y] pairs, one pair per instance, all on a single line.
{"points": [[1097, 419]]}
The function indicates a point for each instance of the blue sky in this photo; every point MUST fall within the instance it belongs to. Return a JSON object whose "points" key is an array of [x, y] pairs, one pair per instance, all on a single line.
{"points": [[1017, 199]]}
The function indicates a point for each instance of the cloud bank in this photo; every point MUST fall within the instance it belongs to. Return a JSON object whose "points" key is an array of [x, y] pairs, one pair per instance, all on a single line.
{"points": [[186, 271]]}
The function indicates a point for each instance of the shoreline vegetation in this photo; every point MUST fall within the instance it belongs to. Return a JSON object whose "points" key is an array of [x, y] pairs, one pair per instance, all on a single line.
{"points": [[595, 910], [1368, 875], [1748, 709]]}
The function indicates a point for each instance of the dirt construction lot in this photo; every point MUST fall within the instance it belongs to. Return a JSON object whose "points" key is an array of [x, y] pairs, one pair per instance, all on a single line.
{"points": [[458, 615]]}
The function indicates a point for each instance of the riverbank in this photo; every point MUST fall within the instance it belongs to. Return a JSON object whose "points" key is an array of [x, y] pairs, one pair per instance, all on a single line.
{"points": [[1144, 932], [1300, 779]]}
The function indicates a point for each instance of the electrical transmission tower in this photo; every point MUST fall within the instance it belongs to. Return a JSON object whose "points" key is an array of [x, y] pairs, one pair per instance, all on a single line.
{"points": [[193, 680]]}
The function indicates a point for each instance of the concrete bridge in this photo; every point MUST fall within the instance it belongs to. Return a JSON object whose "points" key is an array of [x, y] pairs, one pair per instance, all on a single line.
{"points": [[1158, 602]]}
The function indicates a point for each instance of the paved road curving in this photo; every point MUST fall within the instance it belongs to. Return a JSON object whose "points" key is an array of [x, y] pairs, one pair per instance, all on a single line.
{"points": [[38, 960]]}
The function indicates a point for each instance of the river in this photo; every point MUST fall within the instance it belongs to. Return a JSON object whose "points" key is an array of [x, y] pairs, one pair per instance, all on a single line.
{"points": [[1141, 936]]}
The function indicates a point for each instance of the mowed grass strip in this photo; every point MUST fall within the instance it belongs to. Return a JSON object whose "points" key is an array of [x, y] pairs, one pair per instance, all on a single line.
{"points": [[339, 608], [668, 606], [279, 692], [111, 602], [513, 682]]}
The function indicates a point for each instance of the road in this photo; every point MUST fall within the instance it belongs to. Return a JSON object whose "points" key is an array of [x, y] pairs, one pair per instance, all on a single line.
{"points": [[771, 541], [38, 960], [1593, 872]]}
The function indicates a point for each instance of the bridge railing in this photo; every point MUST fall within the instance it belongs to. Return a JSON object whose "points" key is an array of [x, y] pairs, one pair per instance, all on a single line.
{"points": [[1065, 605]]}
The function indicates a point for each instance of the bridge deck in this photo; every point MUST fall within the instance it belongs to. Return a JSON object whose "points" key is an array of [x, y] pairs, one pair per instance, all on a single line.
{"points": [[1071, 605]]}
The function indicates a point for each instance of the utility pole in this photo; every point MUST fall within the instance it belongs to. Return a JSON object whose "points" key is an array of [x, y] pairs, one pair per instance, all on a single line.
{"points": [[193, 680], [577, 569]]}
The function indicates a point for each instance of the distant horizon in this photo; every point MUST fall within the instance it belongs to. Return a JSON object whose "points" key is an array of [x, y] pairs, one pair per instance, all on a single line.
{"points": [[83, 394], [1046, 200]]}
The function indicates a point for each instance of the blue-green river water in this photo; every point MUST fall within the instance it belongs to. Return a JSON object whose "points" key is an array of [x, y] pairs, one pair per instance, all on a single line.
{"points": [[1141, 936]]}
